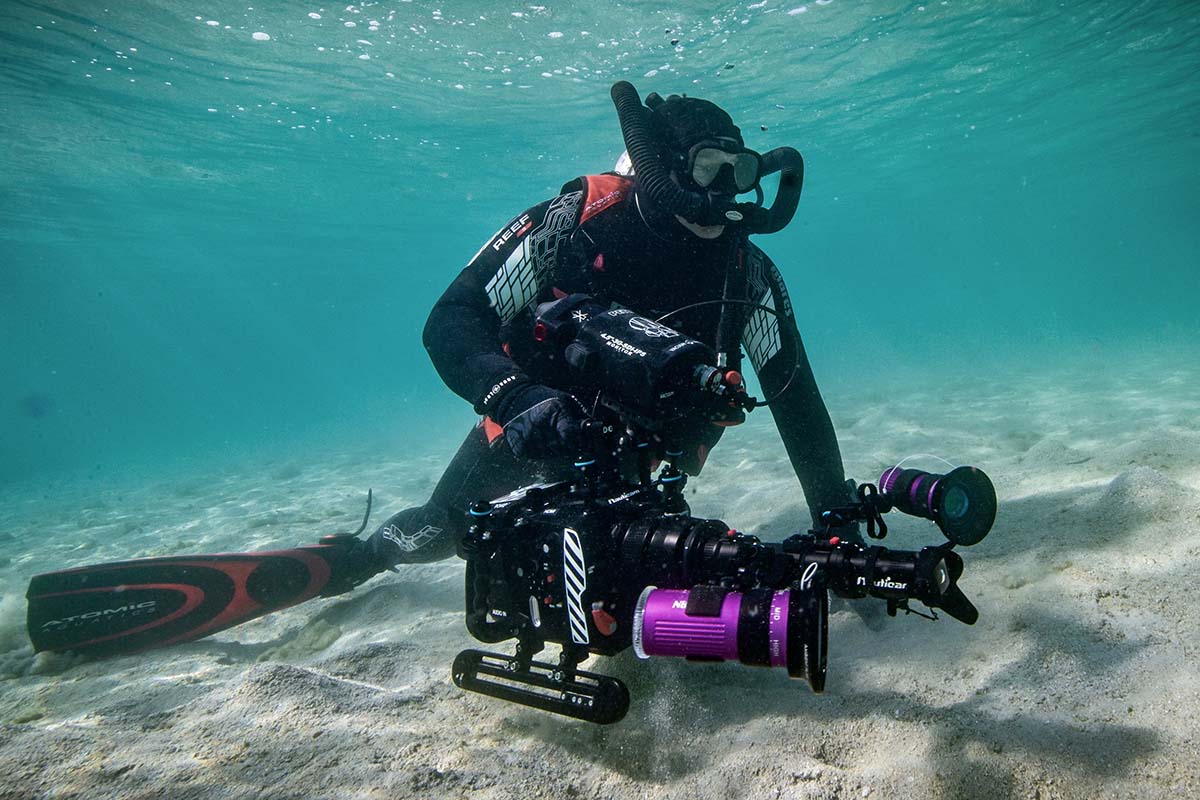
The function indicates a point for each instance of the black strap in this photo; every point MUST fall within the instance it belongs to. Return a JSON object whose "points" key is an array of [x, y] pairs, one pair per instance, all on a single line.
{"points": [[705, 601]]}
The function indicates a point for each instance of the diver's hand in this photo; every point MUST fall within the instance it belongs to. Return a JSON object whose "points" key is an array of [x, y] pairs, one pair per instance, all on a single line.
{"points": [[540, 422]]}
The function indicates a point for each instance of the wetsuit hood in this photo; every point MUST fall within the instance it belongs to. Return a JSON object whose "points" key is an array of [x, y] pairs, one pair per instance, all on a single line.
{"points": [[685, 121], [679, 123]]}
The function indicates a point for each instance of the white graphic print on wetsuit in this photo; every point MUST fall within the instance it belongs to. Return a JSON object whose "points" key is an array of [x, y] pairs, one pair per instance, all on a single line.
{"points": [[761, 336], [408, 542], [527, 268]]}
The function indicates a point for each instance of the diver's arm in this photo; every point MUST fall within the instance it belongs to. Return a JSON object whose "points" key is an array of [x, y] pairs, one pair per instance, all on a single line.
{"points": [[462, 337], [512, 271], [774, 346]]}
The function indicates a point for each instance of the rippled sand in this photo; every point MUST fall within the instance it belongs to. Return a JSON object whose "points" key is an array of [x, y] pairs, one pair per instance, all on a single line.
{"points": [[1078, 681]]}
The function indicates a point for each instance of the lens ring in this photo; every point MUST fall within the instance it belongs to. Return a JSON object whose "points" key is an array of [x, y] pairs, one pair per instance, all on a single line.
{"points": [[976, 516], [808, 631]]}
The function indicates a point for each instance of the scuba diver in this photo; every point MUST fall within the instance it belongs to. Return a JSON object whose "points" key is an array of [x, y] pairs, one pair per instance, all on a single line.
{"points": [[665, 237], [668, 238], [555, 333]]}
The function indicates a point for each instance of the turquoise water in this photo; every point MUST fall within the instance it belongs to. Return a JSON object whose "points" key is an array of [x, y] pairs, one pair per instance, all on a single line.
{"points": [[222, 225]]}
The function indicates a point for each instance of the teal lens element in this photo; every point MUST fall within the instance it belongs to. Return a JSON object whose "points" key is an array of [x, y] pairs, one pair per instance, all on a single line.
{"points": [[956, 503]]}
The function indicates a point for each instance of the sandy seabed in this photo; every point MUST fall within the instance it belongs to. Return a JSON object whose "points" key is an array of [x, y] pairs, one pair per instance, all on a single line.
{"points": [[1080, 679]]}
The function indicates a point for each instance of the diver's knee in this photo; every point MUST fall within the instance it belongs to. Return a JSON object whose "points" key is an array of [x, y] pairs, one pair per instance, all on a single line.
{"points": [[415, 535]]}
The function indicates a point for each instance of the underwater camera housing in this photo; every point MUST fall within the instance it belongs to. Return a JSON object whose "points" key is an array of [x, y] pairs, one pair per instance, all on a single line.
{"points": [[612, 558], [644, 373]]}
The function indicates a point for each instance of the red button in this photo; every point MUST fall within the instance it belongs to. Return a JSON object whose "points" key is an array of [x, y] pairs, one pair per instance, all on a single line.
{"points": [[835, 539], [604, 621]]}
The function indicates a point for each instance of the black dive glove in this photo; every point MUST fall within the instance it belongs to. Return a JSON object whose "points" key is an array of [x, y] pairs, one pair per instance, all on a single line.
{"points": [[540, 422]]}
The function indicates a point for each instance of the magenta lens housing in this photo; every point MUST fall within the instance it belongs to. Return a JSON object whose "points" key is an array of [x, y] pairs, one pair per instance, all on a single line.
{"points": [[761, 627], [667, 630]]}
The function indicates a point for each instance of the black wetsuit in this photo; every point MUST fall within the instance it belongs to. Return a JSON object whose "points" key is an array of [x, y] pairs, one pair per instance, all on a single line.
{"points": [[595, 238]]}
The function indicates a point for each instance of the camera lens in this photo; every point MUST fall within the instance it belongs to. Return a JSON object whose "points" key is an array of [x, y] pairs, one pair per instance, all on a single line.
{"points": [[760, 627], [962, 502]]}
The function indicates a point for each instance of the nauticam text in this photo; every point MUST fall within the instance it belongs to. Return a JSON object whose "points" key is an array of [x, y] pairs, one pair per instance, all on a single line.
{"points": [[884, 583]]}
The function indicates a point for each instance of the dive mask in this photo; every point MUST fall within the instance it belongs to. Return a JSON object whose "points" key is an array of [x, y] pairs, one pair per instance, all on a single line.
{"points": [[725, 168]]}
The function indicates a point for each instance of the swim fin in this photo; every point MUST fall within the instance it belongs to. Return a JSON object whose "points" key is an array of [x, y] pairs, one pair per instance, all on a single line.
{"points": [[128, 606]]}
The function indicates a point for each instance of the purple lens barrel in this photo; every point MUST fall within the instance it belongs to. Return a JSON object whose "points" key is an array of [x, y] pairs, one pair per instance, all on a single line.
{"points": [[962, 502], [667, 630], [917, 490], [761, 627]]}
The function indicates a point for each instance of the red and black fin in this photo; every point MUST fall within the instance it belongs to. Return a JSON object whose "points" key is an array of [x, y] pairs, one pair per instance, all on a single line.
{"points": [[128, 606]]}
